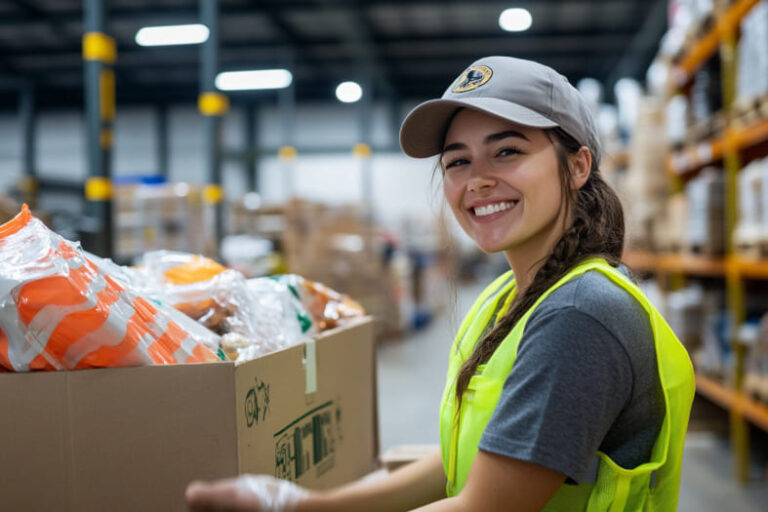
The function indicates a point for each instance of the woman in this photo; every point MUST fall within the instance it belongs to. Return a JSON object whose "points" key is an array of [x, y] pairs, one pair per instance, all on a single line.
{"points": [[566, 390]]}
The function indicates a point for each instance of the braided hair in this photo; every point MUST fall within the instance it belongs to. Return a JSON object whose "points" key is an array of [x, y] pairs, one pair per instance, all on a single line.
{"points": [[597, 230]]}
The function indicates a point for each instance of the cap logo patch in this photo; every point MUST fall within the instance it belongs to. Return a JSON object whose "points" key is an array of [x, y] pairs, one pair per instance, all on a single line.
{"points": [[473, 78]]}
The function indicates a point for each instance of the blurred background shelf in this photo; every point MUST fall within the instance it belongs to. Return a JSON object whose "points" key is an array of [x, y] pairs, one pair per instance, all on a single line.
{"points": [[686, 161], [690, 264], [706, 46], [736, 401], [696, 265]]}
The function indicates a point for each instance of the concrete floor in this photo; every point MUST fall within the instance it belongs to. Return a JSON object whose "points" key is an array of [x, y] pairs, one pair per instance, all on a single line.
{"points": [[411, 377]]}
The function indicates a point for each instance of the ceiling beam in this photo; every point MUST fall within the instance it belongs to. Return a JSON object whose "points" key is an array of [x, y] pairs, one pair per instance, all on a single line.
{"points": [[566, 39], [32, 11], [165, 14]]}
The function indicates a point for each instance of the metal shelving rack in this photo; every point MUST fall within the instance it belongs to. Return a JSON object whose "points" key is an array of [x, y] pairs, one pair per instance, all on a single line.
{"points": [[733, 269]]}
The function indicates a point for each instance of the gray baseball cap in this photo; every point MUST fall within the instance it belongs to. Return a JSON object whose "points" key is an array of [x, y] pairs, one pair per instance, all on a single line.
{"points": [[518, 90]]}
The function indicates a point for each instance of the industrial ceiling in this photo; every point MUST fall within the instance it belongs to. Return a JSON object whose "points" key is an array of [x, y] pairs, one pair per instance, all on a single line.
{"points": [[405, 49]]}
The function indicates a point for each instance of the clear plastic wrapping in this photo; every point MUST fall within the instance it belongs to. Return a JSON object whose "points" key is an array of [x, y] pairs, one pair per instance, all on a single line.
{"points": [[326, 307], [60, 310], [254, 317]]}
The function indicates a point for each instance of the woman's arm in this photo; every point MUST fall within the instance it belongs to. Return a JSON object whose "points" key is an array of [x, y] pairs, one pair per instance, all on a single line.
{"points": [[407, 488], [498, 483]]}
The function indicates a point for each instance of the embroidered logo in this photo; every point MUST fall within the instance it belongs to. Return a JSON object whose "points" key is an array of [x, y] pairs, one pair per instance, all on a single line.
{"points": [[473, 78]]}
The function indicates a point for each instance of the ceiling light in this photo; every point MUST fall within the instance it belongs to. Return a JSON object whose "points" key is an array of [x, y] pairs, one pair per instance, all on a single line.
{"points": [[349, 92], [251, 80], [172, 35], [515, 20]]}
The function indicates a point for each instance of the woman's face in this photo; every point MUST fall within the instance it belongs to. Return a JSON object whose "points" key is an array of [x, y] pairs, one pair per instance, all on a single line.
{"points": [[502, 182]]}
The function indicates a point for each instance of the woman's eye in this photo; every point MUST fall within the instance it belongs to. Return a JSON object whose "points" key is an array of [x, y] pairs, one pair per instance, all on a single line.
{"points": [[509, 151], [455, 163]]}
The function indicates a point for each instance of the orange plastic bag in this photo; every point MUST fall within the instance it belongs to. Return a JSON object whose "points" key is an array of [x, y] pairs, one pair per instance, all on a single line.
{"points": [[60, 311]]}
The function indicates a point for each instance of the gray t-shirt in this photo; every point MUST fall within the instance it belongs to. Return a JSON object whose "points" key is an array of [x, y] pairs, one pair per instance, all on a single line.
{"points": [[585, 379]]}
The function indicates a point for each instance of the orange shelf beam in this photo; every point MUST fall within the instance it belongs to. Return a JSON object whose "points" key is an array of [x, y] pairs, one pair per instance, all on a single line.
{"points": [[749, 268], [751, 135], [642, 261], [705, 153], [715, 392], [676, 263], [692, 264], [755, 412], [705, 47]]}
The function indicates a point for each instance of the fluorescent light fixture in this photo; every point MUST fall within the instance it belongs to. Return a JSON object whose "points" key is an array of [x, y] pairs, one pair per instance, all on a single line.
{"points": [[515, 20], [172, 35], [349, 92], [252, 80]]}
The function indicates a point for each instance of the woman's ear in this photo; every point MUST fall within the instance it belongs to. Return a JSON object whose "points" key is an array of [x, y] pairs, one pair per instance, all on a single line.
{"points": [[581, 167]]}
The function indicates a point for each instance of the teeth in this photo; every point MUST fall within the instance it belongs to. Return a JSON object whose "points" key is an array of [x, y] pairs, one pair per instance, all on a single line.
{"points": [[482, 211]]}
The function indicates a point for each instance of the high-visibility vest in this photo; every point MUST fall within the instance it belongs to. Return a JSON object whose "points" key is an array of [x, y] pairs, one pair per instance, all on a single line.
{"points": [[651, 486]]}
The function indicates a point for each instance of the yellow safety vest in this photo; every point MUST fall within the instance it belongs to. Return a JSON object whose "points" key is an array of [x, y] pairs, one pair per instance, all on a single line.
{"points": [[651, 486]]}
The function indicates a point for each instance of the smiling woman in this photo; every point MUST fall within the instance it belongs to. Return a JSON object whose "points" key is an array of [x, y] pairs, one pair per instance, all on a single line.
{"points": [[566, 390]]}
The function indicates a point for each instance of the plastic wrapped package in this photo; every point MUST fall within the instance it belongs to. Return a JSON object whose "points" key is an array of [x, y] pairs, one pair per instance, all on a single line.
{"points": [[200, 288], [59, 310], [326, 307], [280, 321], [254, 317], [127, 277]]}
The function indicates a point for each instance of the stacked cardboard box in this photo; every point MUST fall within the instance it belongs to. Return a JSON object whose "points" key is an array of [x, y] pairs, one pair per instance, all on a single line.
{"points": [[755, 336], [645, 186], [751, 234], [251, 219], [337, 246], [706, 213]]}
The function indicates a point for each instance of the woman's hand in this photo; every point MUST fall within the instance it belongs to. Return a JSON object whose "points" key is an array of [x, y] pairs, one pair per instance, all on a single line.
{"points": [[246, 493]]}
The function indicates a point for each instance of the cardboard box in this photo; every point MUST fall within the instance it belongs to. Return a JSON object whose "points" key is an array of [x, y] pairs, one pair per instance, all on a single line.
{"points": [[128, 439]]}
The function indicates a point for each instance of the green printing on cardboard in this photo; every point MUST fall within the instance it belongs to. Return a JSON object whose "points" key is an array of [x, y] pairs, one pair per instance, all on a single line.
{"points": [[308, 442]]}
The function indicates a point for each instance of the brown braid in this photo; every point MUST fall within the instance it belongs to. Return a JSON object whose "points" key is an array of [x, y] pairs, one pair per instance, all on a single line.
{"points": [[597, 230]]}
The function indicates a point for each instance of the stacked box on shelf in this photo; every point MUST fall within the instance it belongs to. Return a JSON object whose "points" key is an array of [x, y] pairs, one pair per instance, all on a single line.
{"points": [[756, 363], [265, 221], [671, 228], [752, 79], [162, 216], [751, 234], [706, 213]]}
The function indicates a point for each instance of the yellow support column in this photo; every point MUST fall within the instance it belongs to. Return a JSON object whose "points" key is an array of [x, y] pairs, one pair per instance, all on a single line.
{"points": [[734, 282], [99, 57]]}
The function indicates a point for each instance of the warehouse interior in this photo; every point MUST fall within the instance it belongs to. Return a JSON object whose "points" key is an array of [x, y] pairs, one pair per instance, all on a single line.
{"points": [[245, 182]]}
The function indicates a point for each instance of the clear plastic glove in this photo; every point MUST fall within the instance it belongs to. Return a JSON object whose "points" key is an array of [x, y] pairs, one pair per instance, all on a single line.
{"points": [[251, 493]]}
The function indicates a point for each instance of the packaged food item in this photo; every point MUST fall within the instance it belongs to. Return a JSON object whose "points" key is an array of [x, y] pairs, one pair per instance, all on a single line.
{"points": [[327, 307], [200, 288], [280, 319], [254, 317], [59, 310]]}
